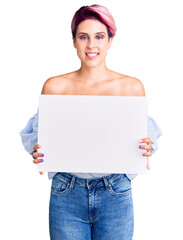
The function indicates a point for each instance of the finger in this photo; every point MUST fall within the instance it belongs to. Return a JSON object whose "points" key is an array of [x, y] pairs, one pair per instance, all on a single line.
{"points": [[36, 155], [147, 147], [147, 154], [146, 140], [148, 164], [36, 146], [36, 161]]}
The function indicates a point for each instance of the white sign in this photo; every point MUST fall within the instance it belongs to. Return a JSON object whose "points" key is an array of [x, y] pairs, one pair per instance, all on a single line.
{"points": [[94, 134]]}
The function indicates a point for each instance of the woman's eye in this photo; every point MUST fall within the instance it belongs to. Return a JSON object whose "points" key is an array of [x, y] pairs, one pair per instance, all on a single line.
{"points": [[99, 37], [84, 37]]}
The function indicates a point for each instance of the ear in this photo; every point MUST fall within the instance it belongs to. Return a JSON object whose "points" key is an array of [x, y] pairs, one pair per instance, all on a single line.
{"points": [[110, 42], [74, 42]]}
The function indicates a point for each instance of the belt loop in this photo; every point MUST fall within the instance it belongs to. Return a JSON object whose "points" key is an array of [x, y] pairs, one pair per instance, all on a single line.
{"points": [[72, 182], [107, 185]]}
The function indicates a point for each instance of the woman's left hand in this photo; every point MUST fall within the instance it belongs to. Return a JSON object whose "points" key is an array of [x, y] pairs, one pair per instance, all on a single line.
{"points": [[148, 147]]}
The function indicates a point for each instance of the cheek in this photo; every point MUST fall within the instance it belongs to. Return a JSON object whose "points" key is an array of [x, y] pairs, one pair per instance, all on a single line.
{"points": [[103, 46], [80, 52], [104, 49], [80, 49]]}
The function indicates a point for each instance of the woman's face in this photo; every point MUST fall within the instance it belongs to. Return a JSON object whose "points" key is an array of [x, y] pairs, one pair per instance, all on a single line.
{"points": [[92, 42]]}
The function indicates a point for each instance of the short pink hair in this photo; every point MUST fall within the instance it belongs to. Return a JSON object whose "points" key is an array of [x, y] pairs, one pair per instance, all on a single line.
{"points": [[97, 12]]}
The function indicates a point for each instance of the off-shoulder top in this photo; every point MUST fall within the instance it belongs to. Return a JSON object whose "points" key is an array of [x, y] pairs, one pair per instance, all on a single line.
{"points": [[29, 137]]}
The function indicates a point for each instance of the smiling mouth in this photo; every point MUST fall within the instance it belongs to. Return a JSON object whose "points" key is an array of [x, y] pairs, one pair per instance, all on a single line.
{"points": [[90, 54]]}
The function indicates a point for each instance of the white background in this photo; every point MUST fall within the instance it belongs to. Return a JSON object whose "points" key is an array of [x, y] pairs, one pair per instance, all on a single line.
{"points": [[36, 44]]}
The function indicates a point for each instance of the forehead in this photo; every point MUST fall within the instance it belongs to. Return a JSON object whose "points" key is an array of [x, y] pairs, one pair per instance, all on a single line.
{"points": [[91, 26]]}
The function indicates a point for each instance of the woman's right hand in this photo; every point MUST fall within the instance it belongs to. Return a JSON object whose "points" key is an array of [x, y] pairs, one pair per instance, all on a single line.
{"points": [[36, 155]]}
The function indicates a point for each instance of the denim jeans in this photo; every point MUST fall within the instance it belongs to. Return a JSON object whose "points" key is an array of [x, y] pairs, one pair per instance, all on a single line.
{"points": [[85, 209]]}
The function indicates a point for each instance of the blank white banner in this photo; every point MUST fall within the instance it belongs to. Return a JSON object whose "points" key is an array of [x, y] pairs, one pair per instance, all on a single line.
{"points": [[89, 133]]}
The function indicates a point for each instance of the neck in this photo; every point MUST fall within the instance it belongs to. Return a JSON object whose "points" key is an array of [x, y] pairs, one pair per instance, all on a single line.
{"points": [[90, 75]]}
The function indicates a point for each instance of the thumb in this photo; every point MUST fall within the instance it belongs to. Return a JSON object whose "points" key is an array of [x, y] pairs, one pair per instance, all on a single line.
{"points": [[148, 164]]}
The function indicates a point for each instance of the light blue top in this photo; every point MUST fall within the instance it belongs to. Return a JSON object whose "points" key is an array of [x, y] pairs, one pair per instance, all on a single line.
{"points": [[29, 136]]}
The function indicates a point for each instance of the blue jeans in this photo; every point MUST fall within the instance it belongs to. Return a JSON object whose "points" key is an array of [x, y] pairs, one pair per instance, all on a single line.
{"points": [[85, 209]]}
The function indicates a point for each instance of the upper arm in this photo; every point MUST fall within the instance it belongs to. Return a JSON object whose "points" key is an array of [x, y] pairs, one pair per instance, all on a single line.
{"points": [[137, 87], [55, 85], [48, 87]]}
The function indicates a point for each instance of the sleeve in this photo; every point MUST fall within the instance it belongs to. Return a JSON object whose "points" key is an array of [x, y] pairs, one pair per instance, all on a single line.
{"points": [[29, 134], [154, 132]]}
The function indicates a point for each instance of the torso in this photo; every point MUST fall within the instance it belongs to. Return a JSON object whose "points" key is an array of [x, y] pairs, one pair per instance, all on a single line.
{"points": [[69, 84], [117, 85]]}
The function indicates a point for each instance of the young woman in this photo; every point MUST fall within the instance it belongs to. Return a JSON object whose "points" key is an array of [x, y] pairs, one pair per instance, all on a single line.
{"points": [[91, 205]]}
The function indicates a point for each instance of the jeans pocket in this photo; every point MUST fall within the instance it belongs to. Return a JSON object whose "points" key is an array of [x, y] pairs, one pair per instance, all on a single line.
{"points": [[121, 187], [59, 185]]}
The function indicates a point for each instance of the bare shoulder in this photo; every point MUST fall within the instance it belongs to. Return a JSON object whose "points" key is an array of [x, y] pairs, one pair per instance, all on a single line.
{"points": [[132, 86], [56, 84]]}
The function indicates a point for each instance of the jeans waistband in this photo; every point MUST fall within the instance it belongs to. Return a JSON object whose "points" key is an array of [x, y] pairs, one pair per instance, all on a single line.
{"points": [[106, 180]]}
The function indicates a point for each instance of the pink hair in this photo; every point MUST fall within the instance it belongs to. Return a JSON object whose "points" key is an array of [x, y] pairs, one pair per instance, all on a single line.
{"points": [[97, 12]]}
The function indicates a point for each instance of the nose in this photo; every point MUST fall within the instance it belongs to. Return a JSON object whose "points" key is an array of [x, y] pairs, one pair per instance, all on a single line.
{"points": [[91, 43]]}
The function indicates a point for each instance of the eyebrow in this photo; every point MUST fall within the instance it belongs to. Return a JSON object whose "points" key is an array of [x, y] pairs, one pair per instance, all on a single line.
{"points": [[87, 33]]}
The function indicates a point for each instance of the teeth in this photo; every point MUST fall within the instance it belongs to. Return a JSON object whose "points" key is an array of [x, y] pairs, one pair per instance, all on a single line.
{"points": [[92, 54]]}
